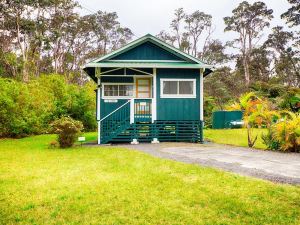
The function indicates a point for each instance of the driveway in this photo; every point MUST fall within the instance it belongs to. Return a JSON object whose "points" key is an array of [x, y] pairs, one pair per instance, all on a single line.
{"points": [[273, 166]]}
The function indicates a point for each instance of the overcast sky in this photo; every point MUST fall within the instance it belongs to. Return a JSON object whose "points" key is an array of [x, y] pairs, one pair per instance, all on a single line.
{"points": [[152, 16]]}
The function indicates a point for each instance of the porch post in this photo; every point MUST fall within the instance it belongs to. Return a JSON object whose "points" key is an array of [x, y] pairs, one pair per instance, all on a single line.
{"points": [[154, 116], [97, 74], [154, 111], [132, 111], [201, 103]]}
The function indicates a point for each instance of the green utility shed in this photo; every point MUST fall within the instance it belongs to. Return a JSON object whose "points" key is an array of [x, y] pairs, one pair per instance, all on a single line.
{"points": [[227, 119]]}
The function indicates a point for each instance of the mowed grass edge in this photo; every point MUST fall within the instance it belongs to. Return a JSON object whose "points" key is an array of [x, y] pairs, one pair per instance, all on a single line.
{"points": [[236, 137], [109, 185]]}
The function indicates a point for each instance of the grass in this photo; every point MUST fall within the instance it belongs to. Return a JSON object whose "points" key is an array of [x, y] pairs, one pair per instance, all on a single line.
{"points": [[236, 137], [109, 185]]}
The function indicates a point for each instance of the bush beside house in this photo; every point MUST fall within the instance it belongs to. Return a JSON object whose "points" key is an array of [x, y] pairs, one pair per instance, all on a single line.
{"points": [[30, 108], [68, 131]]}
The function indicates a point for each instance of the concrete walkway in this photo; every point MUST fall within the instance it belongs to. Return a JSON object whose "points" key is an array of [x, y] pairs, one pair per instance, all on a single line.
{"points": [[274, 166]]}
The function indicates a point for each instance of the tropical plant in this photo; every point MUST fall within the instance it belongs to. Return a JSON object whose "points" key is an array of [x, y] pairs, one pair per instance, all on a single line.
{"points": [[248, 103], [267, 117], [269, 141], [287, 132], [264, 115]]}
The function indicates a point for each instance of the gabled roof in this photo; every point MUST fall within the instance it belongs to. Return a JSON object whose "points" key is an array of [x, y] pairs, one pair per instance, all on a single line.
{"points": [[115, 60]]}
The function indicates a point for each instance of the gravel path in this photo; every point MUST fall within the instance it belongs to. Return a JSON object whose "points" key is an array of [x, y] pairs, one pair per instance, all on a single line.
{"points": [[273, 166]]}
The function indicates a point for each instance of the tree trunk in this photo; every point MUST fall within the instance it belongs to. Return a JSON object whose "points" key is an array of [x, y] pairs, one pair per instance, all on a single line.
{"points": [[22, 49], [25, 73], [246, 71], [251, 141]]}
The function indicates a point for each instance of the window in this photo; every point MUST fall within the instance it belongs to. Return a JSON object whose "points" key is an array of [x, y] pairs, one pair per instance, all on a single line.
{"points": [[178, 88], [117, 90]]}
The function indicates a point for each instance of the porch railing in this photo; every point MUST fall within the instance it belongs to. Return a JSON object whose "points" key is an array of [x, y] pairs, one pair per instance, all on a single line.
{"points": [[134, 110], [115, 122], [142, 110]]}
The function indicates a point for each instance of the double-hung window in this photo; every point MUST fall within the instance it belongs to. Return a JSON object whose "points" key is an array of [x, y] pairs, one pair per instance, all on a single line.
{"points": [[117, 90], [178, 88]]}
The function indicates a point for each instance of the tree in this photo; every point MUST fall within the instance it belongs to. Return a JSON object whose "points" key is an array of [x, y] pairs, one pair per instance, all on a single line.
{"points": [[286, 57], [62, 22], [248, 20], [187, 30], [106, 32], [176, 26], [260, 66], [18, 24], [223, 85], [196, 23], [214, 53], [40, 36], [292, 16]]}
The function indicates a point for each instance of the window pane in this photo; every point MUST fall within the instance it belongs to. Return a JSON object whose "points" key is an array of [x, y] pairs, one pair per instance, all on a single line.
{"points": [[186, 87], [170, 87], [110, 90], [125, 90]]}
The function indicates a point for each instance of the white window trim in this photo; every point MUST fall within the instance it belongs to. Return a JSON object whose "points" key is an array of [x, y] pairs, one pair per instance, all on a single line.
{"points": [[162, 95], [117, 97]]}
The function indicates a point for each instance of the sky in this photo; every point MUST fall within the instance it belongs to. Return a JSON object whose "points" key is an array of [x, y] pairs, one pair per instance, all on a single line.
{"points": [[152, 16]]}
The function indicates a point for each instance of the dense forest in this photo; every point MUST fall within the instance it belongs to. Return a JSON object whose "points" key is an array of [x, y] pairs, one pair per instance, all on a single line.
{"points": [[44, 43]]}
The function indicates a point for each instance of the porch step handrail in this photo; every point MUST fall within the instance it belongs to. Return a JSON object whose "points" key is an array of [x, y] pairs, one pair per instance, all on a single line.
{"points": [[115, 122], [114, 110]]}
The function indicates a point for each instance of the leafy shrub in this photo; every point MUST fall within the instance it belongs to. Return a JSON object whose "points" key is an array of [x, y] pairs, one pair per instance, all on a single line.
{"points": [[25, 108], [269, 140], [68, 130], [29, 108], [290, 100], [287, 132]]}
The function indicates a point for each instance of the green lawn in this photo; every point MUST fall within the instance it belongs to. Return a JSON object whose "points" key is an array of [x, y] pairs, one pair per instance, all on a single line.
{"points": [[94, 185], [236, 137]]}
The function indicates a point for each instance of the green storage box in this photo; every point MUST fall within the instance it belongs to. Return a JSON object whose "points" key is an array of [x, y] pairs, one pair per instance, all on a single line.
{"points": [[227, 119]]}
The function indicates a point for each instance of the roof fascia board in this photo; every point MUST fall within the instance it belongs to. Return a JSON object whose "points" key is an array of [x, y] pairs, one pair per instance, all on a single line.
{"points": [[148, 65]]}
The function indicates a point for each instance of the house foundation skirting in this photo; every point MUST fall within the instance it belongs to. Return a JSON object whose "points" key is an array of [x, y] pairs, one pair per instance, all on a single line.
{"points": [[159, 131]]}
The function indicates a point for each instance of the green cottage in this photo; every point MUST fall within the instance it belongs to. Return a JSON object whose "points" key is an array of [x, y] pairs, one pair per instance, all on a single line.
{"points": [[149, 91]]}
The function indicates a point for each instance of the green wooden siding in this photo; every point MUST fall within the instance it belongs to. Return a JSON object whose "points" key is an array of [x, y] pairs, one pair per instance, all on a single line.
{"points": [[178, 108], [147, 51], [108, 107]]}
